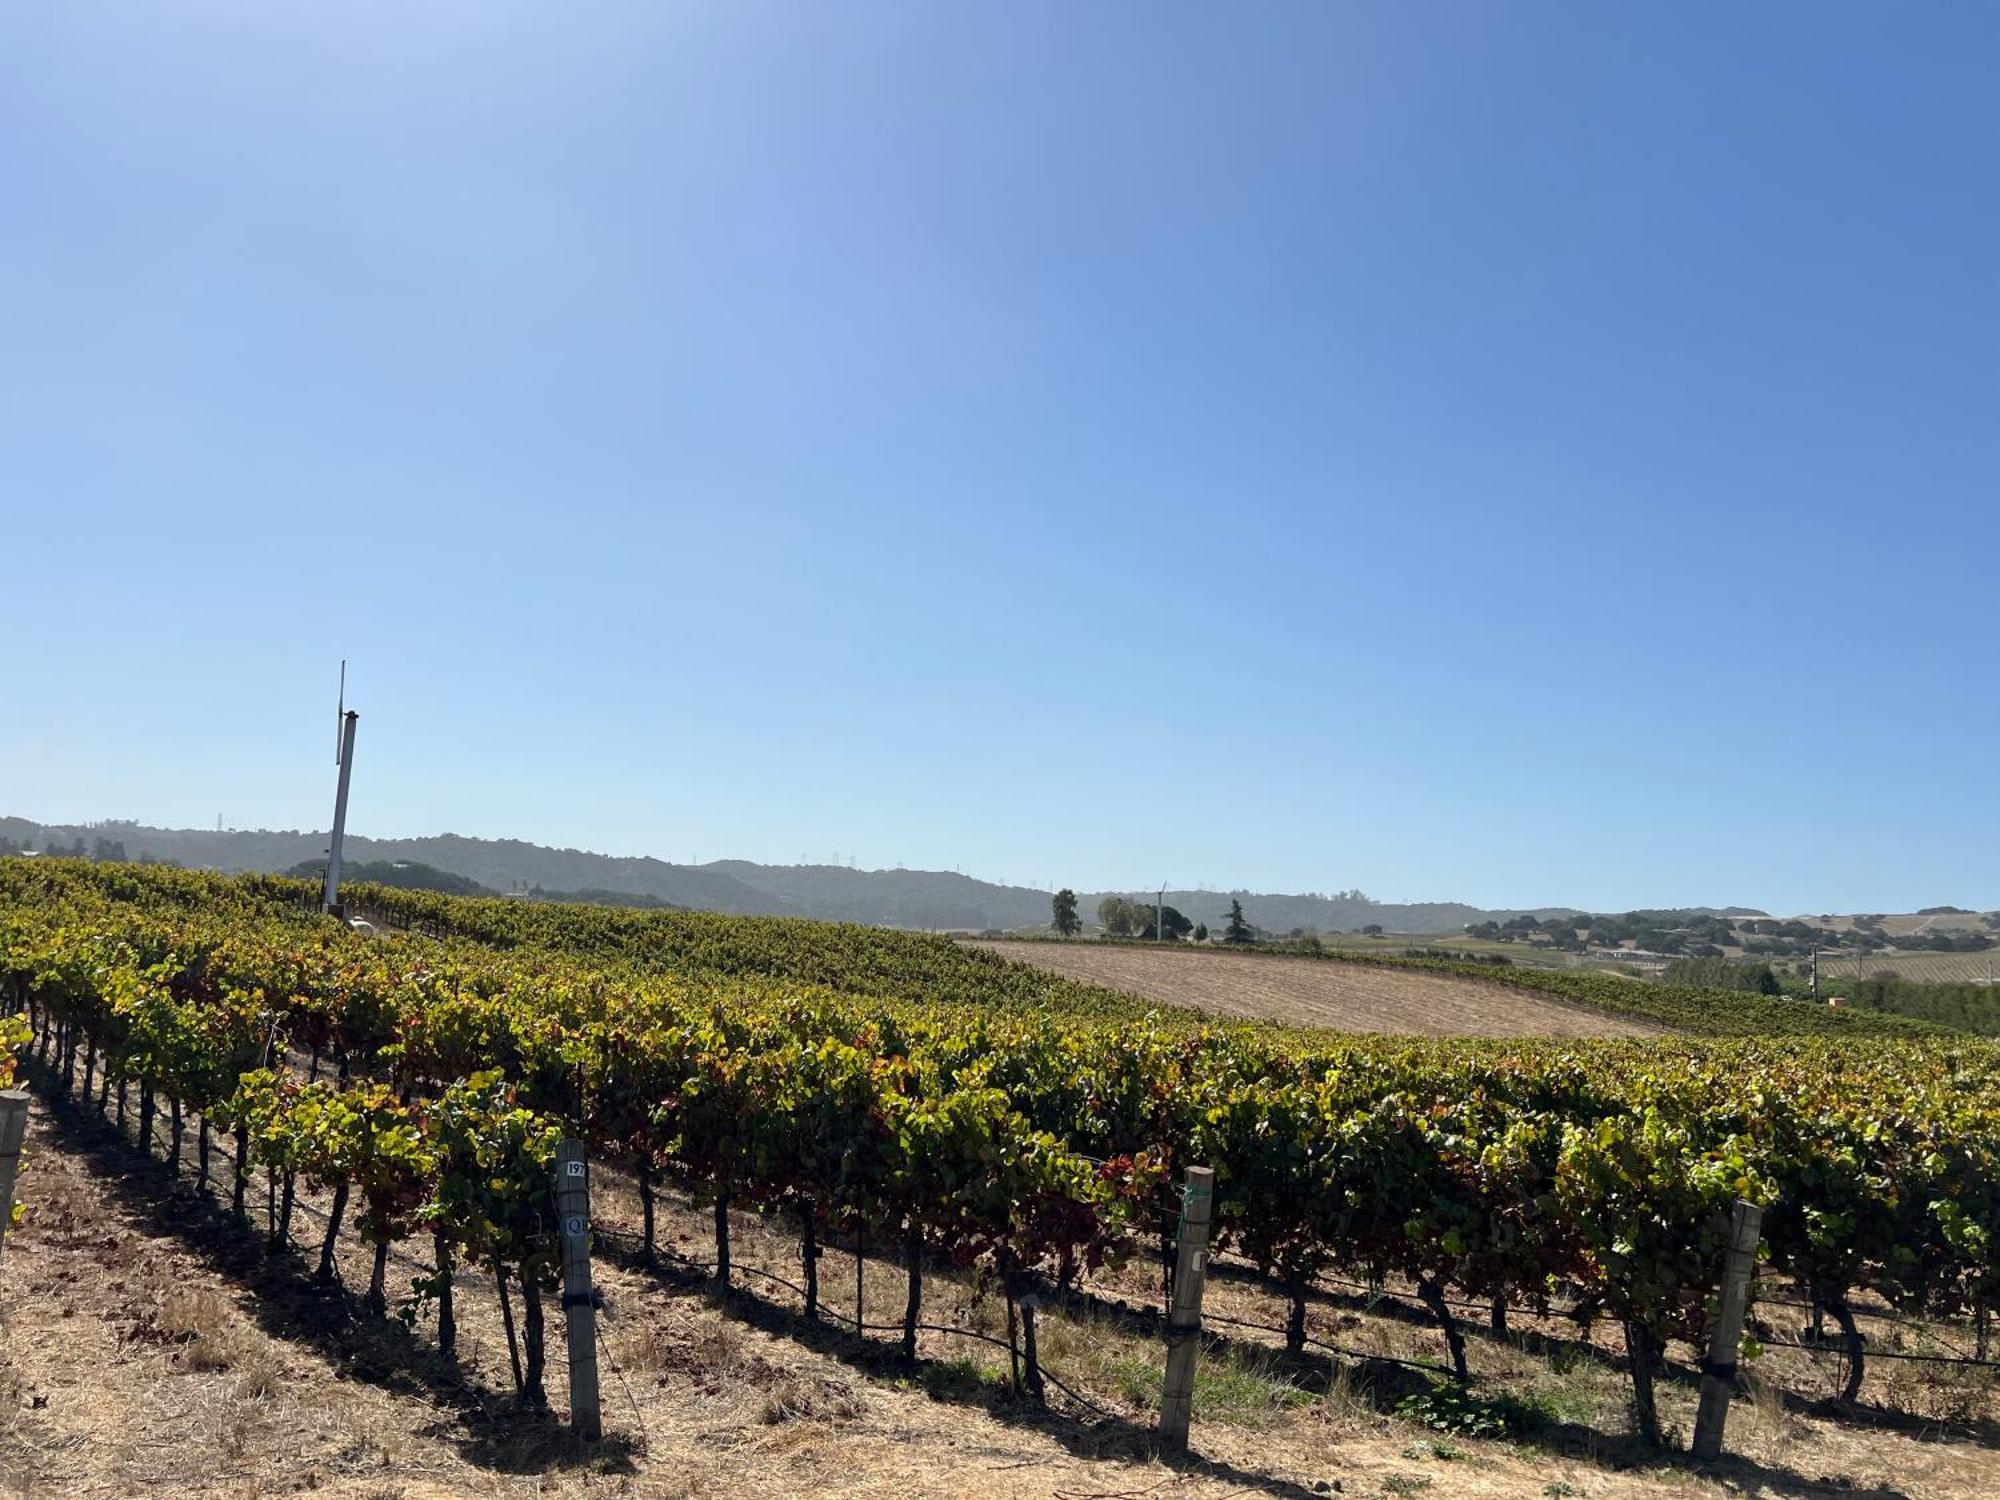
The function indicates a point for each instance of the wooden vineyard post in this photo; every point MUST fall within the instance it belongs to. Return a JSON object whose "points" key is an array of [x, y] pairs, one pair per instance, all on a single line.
{"points": [[1718, 1371], [579, 1302], [1029, 1302], [13, 1129], [1184, 1317]]}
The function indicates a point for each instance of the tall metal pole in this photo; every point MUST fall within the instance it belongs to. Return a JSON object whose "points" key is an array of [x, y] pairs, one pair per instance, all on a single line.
{"points": [[330, 897], [1160, 916]]}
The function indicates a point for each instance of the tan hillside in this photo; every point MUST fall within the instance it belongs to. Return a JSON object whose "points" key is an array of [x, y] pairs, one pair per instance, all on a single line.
{"points": [[1317, 992]]}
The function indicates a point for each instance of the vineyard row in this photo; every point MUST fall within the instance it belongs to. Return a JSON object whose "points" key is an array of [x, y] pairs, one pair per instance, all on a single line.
{"points": [[422, 1083]]}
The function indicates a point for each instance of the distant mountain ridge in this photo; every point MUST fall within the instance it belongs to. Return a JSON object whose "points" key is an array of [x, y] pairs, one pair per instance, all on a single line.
{"points": [[884, 898]]}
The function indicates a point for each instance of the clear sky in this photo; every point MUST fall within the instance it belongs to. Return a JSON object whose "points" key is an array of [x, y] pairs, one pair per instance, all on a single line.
{"points": [[1515, 453]]}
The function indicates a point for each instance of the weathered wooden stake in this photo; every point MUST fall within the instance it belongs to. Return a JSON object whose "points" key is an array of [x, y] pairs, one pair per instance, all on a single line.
{"points": [[447, 1314], [534, 1347], [1031, 1354], [647, 1254], [810, 1253], [1013, 1334], [507, 1317], [578, 1300], [1184, 1317], [722, 1240], [913, 1264], [13, 1129], [1718, 1375], [177, 1130], [241, 1185]]}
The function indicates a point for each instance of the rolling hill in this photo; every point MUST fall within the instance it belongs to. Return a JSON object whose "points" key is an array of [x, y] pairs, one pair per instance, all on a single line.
{"points": [[935, 899]]}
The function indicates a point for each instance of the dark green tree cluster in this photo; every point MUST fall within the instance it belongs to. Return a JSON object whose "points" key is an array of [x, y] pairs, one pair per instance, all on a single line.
{"points": [[1724, 974], [1120, 916], [1062, 913]]}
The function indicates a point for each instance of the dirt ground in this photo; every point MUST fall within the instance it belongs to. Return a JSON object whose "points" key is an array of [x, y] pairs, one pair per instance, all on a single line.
{"points": [[1322, 992], [152, 1347]]}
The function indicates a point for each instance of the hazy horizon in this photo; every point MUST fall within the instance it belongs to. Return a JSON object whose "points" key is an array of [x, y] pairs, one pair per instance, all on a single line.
{"points": [[1536, 456], [839, 861]]}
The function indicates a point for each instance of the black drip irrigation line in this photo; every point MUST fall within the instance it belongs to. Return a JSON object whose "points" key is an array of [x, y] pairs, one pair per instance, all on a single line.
{"points": [[1832, 1347], [1346, 1352], [1343, 1351], [834, 1315], [1382, 1293], [1859, 1309], [1408, 1299], [1897, 1324]]}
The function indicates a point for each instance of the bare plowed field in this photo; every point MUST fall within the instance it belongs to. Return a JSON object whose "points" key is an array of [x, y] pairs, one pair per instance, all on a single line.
{"points": [[1323, 992]]}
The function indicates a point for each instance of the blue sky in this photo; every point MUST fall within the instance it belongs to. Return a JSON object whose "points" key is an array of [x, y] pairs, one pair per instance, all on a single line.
{"points": [[1510, 453]]}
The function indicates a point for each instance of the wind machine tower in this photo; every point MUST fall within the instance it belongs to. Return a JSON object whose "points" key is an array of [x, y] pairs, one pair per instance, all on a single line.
{"points": [[343, 757]]}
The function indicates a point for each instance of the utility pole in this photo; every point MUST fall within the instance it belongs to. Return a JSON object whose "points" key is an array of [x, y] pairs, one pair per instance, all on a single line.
{"points": [[344, 758], [1160, 916]]}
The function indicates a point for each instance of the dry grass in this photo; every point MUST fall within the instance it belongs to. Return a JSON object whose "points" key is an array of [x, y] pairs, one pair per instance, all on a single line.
{"points": [[1765, 1426], [805, 1394], [1322, 992]]}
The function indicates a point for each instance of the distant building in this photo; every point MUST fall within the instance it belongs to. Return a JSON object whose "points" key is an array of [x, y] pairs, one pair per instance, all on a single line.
{"points": [[1635, 956]]}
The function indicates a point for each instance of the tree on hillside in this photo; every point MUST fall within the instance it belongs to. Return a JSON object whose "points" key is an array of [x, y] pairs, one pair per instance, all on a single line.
{"points": [[1177, 925], [1062, 913], [1201, 932], [1373, 929], [1238, 930], [1121, 917]]}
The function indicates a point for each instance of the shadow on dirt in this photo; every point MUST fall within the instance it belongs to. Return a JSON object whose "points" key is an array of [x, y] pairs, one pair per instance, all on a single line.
{"points": [[492, 1429]]}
